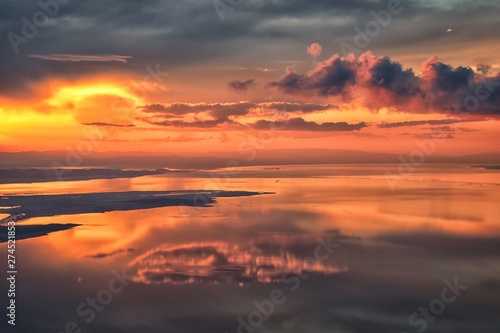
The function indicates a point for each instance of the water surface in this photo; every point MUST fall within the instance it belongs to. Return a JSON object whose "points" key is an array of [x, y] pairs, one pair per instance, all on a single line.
{"points": [[388, 251]]}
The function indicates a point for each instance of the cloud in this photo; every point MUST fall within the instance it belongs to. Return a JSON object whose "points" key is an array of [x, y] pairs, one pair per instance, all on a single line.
{"points": [[460, 90], [195, 115], [241, 85], [445, 78], [208, 115], [107, 124], [381, 75], [176, 139], [81, 57], [299, 124], [469, 130], [483, 69], [158, 32], [298, 107], [314, 49], [421, 122], [332, 77], [175, 114], [215, 109], [192, 124], [381, 82], [222, 262], [238, 108]]}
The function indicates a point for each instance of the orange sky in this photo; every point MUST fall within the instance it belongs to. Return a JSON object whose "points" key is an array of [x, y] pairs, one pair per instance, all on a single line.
{"points": [[54, 120], [211, 83]]}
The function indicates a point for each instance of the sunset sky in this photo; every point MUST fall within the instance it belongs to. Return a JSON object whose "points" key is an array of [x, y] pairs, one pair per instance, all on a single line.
{"points": [[202, 76]]}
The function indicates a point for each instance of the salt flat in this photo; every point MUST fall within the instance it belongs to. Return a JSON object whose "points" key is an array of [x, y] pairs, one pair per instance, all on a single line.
{"points": [[69, 204]]}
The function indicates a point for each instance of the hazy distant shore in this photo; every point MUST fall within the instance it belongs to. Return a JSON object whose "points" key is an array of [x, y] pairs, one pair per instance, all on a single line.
{"points": [[489, 167], [35, 175], [212, 160]]}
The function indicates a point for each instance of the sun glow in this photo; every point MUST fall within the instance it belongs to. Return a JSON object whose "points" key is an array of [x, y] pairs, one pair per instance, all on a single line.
{"points": [[56, 119], [80, 92]]}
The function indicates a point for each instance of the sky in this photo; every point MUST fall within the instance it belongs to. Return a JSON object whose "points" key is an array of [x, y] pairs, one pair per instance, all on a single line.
{"points": [[213, 75]]}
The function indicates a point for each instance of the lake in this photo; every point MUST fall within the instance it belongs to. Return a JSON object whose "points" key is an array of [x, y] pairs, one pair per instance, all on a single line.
{"points": [[326, 248]]}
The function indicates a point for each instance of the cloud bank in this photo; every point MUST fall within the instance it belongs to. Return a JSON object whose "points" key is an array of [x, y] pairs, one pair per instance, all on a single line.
{"points": [[382, 82], [206, 115]]}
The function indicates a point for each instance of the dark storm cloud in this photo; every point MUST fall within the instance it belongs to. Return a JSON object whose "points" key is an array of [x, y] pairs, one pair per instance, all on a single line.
{"points": [[331, 78], [460, 90], [390, 76], [183, 34], [299, 124], [338, 75], [241, 85], [443, 77], [383, 82]]}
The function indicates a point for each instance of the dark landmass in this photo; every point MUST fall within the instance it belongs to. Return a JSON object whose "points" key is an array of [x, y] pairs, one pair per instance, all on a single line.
{"points": [[69, 204], [211, 160], [9, 176], [488, 167], [31, 231]]}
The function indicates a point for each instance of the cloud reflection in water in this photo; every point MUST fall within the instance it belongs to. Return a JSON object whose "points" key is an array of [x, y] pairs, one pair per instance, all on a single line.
{"points": [[218, 262]]}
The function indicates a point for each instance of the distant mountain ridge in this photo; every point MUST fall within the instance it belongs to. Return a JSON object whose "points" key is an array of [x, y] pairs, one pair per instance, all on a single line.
{"points": [[212, 160]]}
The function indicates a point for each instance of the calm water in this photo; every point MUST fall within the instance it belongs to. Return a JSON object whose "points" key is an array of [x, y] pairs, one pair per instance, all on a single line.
{"points": [[337, 248]]}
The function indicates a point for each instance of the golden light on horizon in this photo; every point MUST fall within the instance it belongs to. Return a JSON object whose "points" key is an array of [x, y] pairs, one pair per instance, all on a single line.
{"points": [[56, 120]]}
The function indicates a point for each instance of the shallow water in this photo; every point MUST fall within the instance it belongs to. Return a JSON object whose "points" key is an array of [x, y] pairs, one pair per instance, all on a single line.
{"points": [[346, 250]]}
